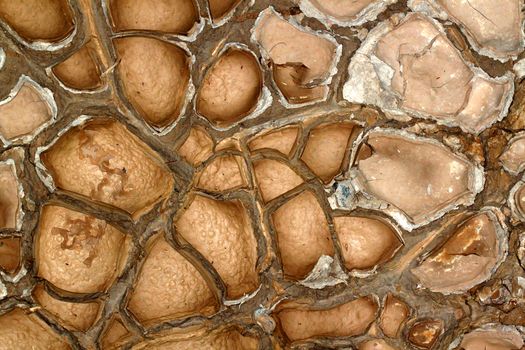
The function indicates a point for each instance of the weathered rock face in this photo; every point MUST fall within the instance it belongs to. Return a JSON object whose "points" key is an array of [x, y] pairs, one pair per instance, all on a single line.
{"points": [[349, 319], [25, 331], [149, 67], [172, 16], [493, 29], [169, 286], [409, 66], [302, 61], [492, 339], [419, 177], [467, 258], [9, 196], [300, 225], [80, 70], [25, 111], [366, 241], [87, 251], [287, 174], [274, 178], [48, 20], [203, 339], [222, 232], [10, 254], [395, 313], [112, 166], [231, 88], [74, 316]]}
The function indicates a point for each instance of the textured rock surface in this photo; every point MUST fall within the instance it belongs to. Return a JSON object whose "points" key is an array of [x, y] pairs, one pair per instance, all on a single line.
{"points": [[36, 20], [417, 176], [466, 259], [365, 242], [20, 330], [301, 226], [22, 113], [285, 174], [281, 140], [352, 318], [169, 286], [231, 88], [274, 178], [171, 16], [111, 166], [9, 196], [411, 67], [86, 251], [222, 174], [494, 29], [222, 232], [148, 69], [10, 254], [74, 316], [79, 71]]}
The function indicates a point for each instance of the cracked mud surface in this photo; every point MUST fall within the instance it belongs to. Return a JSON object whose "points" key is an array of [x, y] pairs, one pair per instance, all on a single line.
{"points": [[288, 174]]}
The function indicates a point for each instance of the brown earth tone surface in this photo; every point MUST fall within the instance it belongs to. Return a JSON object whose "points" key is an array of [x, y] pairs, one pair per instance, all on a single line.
{"points": [[286, 174]]}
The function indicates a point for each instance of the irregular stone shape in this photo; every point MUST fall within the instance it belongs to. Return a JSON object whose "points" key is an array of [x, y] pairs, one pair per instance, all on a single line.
{"points": [[79, 71], [412, 68], [425, 333], [2, 58], [302, 234], [222, 174], [169, 287], [221, 8], [114, 335], [9, 200], [519, 201], [197, 147], [346, 320], [495, 293], [344, 11], [230, 339], [73, 316], [10, 254], [469, 257], [289, 79], [395, 313], [38, 20], [104, 162], [491, 339], [19, 330], [493, 28], [281, 140], [307, 58], [366, 241], [274, 178], [231, 88], [168, 16], [513, 158], [222, 232], [77, 252], [521, 250], [23, 112], [326, 148], [375, 344], [419, 177], [155, 77]]}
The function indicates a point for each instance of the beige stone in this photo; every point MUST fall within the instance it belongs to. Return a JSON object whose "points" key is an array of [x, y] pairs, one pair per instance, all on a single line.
{"points": [[222, 232], [103, 161], [302, 234]]}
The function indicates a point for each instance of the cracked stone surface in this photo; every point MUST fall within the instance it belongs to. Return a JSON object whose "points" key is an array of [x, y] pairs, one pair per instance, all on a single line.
{"points": [[257, 175]]}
